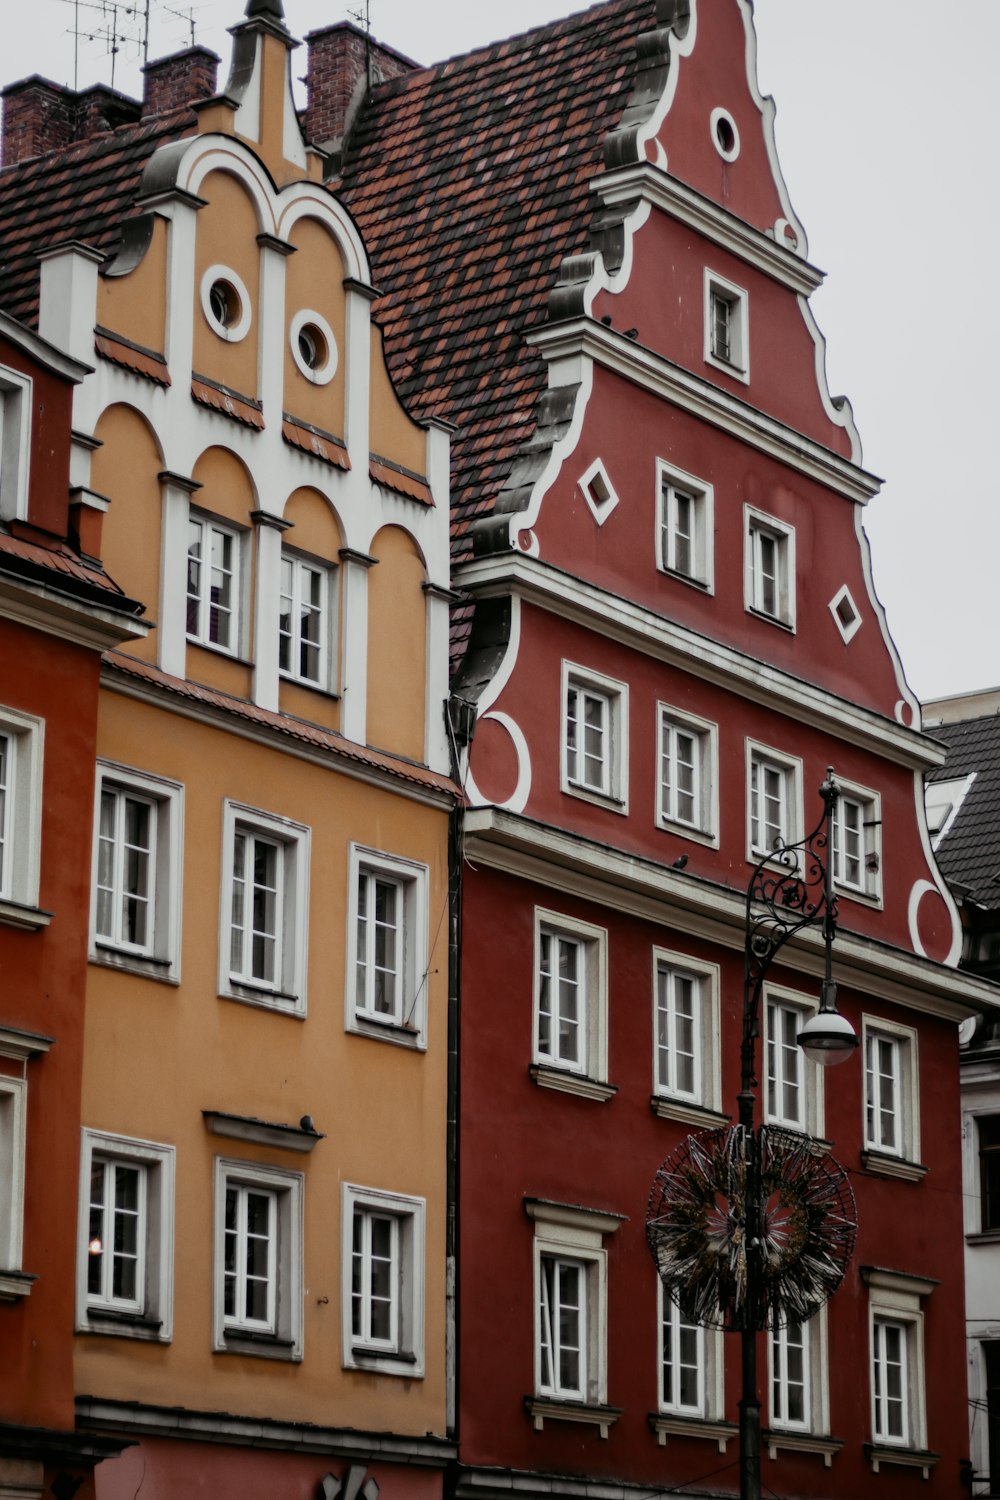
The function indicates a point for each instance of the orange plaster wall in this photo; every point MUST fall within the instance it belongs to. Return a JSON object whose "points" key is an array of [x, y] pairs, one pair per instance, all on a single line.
{"points": [[397, 645], [135, 305], [227, 236], [125, 469], [157, 1055], [394, 435], [314, 279]]}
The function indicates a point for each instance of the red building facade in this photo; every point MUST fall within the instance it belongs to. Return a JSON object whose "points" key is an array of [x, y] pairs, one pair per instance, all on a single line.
{"points": [[58, 611], [670, 633]]}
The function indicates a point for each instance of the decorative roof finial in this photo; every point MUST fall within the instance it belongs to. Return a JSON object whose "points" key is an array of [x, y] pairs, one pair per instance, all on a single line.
{"points": [[271, 10]]}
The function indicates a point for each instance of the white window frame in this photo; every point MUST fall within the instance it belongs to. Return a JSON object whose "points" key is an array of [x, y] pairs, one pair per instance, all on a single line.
{"points": [[816, 1416], [592, 1063], [942, 801], [13, 1126], [160, 956], [671, 482], [20, 862], [565, 1233], [896, 1299], [758, 525], [15, 443], [404, 1356], [300, 563], [777, 1003], [288, 990], [613, 791], [407, 1026], [238, 611], [283, 1340], [868, 885], [598, 491], [707, 1094], [789, 767], [703, 828], [903, 1040], [711, 1366], [150, 1315], [737, 365]]}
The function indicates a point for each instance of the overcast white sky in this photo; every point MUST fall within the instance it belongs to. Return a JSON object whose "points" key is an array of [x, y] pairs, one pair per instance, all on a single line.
{"points": [[886, 123]]}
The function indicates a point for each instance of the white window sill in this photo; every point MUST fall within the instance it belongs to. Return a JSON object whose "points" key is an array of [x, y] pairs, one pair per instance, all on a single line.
{"points": [[881, 1165], [909, 1458], [27, 918], [983, 1237], [548, 1076], [735, 372], [687, 1112], [689, 832], [542, 1409], [697, 583], [277, 1000], [15, 1284], [385, 1362], [802, 1442], [388, 1031], [599, 799], [262, 1345], [666, 1424], [121, 1324], [160, 969], [779, 620]]}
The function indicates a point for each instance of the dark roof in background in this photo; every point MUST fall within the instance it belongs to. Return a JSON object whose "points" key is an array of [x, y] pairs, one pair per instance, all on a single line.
{"points": [[82, 192], [969, 853], [469, 181]]}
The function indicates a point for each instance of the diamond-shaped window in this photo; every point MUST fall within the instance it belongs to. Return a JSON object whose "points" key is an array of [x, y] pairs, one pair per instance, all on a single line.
{"points": [[599, 492]]}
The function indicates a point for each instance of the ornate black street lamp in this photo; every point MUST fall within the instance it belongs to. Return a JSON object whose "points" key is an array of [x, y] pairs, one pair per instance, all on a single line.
{"points": [[751, 1227]]}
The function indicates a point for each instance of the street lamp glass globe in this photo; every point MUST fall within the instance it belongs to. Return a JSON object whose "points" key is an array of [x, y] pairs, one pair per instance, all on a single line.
{"points": [[827, 1038]]}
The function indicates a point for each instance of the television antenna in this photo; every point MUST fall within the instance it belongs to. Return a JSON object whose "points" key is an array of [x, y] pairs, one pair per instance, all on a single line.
{"points": [[120, 25]]}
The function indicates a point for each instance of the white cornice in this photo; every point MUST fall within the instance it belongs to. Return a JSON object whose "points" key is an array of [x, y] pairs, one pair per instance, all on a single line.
{"points": [[578, 337], [644, 181], [640, 887], [71, 619], [539, 583], [264, 734]]}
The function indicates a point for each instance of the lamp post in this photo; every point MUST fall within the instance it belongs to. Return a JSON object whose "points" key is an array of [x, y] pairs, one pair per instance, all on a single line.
{"points": [[790, 889]]}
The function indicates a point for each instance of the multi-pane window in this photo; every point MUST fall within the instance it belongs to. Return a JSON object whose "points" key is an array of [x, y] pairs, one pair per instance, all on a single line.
{"points": [[117, 1234], [562, 1323], [302, 621], [684, 525], [722, 311], [773, 814], [989, 1170], [684, 750], [682, 1364], [726, 326], [379, 947], [679, 1025], [375, 1280], [6, 804], [890, 1380], [883, 1093], [212, 584], [786, 1091], [769, 580], [588, 739], [126, 865], [250, 1258], [21, 740], [255, 934], [561, 1036], [790, 1376], [855, 852]]}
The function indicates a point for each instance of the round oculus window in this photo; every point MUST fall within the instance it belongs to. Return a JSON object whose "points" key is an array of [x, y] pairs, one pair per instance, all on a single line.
{"points": [[225, 303], [313, 346], [725, 136]]}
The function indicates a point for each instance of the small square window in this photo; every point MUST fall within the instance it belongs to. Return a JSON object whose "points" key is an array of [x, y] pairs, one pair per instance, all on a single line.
{"points": [[305, 621], [892, 1111], [214, 584], [21, 747], [135, 920], [685, 1033], [387, 948], [126, 1237], [570, 1001], [263, 915], [15, 437], [727, 343], [684, 526], [857, 842], [258, 1260], [774, 802], [383, 1256], [687, 800], [794, 1085], [769, 573], [595, 737]]}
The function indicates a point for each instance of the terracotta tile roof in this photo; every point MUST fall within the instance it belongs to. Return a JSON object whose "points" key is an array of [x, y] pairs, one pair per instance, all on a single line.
{"points": [[969, 853], [121, 351], [322, 445], [245, 409], [80, 193], [297, 729], [469, 182], [32, 559]]}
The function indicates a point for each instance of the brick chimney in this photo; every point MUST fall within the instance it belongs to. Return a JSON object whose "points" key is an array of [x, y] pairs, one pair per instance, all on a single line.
{"points": [[180, 79], [102, 108], [338, 80], [38, 116]]}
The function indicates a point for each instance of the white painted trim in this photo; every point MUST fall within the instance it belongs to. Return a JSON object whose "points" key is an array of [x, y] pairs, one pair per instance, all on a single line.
{"points": [[582, 339], [600, 508], [288, 1270], [909, 1086], [233, 333], [634, 625], [171, 634], [408, 1361], [323, 374], [722, 117], [267, 609], [849, 631], [288, 993], [707, 732], [615, 694], [557, 1240], [761, 523], [26, 737], [594, 943], [354, 650], [668, 476], [15, 443], [709, 1093], [13, 1125], [737, 367], [901, 1303], [413, 878]]}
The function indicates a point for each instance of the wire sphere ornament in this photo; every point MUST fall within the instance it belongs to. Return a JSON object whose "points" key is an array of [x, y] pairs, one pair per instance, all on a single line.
{"points": [[706, 1199]]}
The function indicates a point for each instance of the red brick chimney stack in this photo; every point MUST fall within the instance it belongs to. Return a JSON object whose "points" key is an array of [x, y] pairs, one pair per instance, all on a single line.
{"points": [[337, 80], [38, 116], [182, 78]]}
